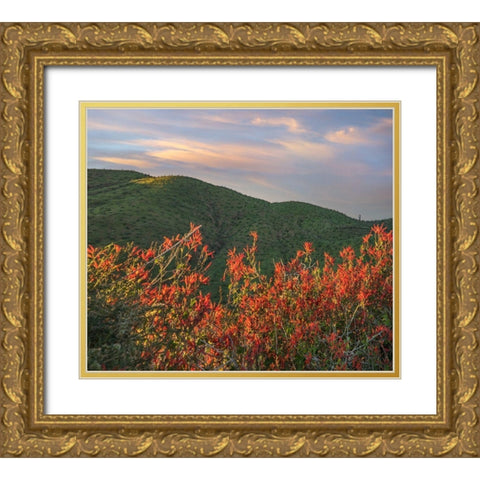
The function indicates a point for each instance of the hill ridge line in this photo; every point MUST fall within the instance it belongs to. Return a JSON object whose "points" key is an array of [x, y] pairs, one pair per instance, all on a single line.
{"points": [[188, 177]]}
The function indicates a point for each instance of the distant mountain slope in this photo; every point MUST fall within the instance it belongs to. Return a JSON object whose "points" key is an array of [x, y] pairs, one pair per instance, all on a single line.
{"points": [[126, 206]]}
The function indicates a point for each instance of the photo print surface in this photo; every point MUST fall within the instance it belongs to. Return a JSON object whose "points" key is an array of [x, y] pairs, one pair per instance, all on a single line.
{"points": [[242, 237]]}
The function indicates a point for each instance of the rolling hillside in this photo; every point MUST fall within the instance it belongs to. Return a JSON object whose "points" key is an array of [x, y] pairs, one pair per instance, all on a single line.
{"points": [[126, 206]]}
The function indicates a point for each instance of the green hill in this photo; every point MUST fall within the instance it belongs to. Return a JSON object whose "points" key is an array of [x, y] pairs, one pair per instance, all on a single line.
{"points": [[126, 206]]}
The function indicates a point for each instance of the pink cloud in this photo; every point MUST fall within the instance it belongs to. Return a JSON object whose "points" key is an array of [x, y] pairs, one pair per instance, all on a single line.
{"points": [[371, 135], [383, 126], [303, 148], [129, 162], [229, 155], [116, 127], [291, 123], [347, 136], [224, 119]]}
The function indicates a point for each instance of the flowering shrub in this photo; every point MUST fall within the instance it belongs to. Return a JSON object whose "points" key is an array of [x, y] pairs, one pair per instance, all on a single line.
{"points": [[147, 309]]}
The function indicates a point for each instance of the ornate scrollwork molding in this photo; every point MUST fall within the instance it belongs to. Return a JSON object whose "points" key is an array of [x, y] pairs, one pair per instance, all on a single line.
{"points": [[456, 44]]}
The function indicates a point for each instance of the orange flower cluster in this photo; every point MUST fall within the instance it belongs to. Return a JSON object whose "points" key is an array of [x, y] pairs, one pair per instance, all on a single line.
{"points": [[147, 310]]}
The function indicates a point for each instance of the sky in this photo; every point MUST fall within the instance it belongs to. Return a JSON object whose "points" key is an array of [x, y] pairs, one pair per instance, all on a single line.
{"points": [[335, 158]]}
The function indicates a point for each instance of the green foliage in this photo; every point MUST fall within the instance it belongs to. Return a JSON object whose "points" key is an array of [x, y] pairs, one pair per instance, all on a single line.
{"points": [[147, 311], [126, 206]]}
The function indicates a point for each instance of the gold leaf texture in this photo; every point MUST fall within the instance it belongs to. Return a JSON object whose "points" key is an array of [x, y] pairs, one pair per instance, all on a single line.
{"points": [[243, 44]]}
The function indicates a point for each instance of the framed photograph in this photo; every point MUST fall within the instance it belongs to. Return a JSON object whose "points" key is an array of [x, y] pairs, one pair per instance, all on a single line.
{"points": [[199, 303], [239, 240]]}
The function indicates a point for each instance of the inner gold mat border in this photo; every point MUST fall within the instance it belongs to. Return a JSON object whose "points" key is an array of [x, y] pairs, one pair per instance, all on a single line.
{"points": [[84, 106]]}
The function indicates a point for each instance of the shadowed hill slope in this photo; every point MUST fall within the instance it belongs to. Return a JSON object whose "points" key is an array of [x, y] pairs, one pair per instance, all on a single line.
{"points": [[126, 206]]}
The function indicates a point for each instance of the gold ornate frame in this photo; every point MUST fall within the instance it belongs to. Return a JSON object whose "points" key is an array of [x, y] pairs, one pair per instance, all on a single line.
{"points": [[26, 49]]}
